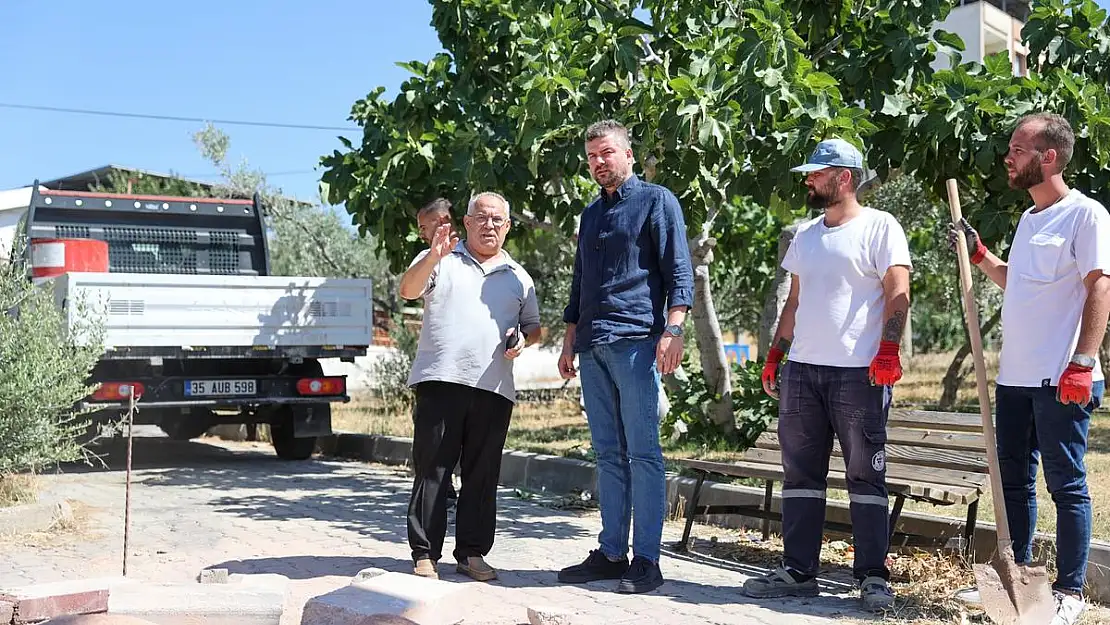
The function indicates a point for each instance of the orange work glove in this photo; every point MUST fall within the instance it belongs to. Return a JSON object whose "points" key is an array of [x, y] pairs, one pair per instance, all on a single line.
{"points": [[886, 367], [771, 370], [1075, 385]]}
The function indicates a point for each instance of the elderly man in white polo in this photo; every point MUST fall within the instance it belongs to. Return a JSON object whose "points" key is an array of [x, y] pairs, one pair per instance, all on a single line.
{"points": [[480, 312]]}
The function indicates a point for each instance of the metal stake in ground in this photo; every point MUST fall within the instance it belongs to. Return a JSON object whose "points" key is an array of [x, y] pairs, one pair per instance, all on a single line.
{"points": [[127, 491], [1011, 593]]}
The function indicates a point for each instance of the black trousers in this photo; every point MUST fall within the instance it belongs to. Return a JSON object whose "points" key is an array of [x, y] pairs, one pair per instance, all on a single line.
{"points": [[456, 424]]}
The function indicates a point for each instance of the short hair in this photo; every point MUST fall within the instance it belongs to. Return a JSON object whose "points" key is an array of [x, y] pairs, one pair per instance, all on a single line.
{"points": [[857, 176], [1055, 133], [608, 127], [438, 205], [486, 194]]}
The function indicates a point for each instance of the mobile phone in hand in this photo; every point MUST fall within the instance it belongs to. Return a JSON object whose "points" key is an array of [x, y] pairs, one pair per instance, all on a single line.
{"points": [[513, 340]]}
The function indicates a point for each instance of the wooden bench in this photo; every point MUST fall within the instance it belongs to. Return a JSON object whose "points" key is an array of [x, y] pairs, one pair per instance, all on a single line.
{"points": [[934, 457]]}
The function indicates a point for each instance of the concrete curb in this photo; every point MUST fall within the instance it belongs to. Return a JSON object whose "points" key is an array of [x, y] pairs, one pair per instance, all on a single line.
{"points": [[559, 476]]}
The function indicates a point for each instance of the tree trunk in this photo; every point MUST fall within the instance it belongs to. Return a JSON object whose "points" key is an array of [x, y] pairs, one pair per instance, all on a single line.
{"points": [[711, 346], [776, 295], [955, 374]]}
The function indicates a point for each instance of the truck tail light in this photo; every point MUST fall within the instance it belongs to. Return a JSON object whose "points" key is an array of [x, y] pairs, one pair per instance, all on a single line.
{"points": [[117, 391], [322, 386]]}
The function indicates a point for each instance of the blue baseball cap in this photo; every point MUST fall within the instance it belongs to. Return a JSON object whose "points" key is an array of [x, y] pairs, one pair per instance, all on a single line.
{"points": [[832, 153]]}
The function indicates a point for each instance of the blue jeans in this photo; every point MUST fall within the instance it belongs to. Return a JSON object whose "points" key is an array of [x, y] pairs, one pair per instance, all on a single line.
{"points": [[620, 386], [817, 403], [1032, 425]]}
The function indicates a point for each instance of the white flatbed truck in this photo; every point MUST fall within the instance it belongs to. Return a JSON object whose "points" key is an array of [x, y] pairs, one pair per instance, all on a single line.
{"points": [[193, 325]]}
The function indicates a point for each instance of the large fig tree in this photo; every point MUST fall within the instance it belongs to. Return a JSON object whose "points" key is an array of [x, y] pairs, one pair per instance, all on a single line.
{"points": [[722, 99]]}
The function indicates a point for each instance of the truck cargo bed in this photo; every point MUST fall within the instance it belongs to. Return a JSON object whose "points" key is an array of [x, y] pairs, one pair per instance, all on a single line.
{"points": [[221, 315]]}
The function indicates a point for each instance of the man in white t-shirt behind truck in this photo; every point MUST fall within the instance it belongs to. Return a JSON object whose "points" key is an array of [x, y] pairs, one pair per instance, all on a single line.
{"points": [[1054, 312], [842, 326]]}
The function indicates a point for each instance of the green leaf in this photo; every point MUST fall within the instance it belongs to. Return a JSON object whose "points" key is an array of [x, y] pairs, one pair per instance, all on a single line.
{"points": [[632, 27], [998, 64], [682, 86], [820, 80], [952, 40], [992, 107], [895, 105]]}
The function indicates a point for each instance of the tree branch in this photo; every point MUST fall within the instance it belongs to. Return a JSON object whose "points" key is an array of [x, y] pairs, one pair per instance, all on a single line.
{"points": [[320, 244]]}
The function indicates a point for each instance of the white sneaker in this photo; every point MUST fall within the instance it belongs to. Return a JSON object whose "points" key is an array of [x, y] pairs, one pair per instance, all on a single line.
{"points": [[1068, 608]]}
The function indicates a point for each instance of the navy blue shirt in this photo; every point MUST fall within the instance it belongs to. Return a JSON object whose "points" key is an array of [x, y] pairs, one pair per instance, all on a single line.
{"points": [[632, 265]]}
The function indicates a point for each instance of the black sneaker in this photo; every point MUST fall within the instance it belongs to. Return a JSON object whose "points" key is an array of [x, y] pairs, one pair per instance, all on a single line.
{"points": [[596, 567], [643, 576]]}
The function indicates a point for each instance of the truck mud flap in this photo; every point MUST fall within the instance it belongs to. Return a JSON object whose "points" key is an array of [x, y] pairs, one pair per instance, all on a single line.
{"points": [[311, 420]]}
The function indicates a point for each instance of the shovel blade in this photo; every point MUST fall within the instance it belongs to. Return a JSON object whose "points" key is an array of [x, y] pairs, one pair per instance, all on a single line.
{"points": [[1014, 594]]}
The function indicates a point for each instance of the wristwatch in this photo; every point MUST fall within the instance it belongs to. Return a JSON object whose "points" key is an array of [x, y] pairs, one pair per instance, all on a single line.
{"points": [[673, 330], [1083, 360]]}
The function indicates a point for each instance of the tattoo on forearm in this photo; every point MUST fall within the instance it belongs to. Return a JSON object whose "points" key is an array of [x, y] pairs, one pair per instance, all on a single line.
{"points": [[783, 344], [892, 331]]}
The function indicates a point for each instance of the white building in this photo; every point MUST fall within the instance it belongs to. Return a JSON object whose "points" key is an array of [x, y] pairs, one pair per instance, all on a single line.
{"points": [[987, 27]]}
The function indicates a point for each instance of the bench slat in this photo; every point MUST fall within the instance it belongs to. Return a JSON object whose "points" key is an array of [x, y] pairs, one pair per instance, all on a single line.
{"points": [[929, 420], [946, 477], [926, 457], [963, 441], [936, 493]]}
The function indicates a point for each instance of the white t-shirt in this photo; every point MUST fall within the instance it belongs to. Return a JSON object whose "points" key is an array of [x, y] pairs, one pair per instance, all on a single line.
{"points": [[840, 270], [1052, 252]]}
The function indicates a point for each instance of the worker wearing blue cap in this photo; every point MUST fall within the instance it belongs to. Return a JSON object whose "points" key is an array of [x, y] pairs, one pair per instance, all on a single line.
{"points": [[840, 332]]}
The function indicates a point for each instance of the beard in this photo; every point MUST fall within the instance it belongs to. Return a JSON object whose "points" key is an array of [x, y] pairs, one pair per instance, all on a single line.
{"points": [[820, 197], [610, 177], [1028, 176]]}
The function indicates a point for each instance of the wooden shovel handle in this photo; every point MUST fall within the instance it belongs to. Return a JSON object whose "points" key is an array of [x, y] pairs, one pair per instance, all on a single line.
{"points": [[972, 318]]}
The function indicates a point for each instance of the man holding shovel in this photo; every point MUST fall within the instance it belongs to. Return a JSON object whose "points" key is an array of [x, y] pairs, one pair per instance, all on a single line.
{"points": [[1054, 314], [842, 326]]}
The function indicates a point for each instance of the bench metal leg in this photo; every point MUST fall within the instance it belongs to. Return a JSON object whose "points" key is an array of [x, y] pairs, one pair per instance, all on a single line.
{"points": [[969, 529], [767, 497], [899, 501], [691, 512]]}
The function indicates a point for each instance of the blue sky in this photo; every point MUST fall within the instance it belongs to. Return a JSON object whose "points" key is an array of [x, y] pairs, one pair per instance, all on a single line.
{"points": [[286, 61]]}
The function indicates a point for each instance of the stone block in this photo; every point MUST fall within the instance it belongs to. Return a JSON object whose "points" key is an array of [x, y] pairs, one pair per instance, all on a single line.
{"points": [[546, 615], [213, 576], [238, 602], [40, 602], [7, 612], [369, 573], [385, 619], [426, 601], [97, 619]]}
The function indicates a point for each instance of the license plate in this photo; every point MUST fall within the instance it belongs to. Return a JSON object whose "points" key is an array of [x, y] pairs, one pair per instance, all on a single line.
{"points": [[208, 388]]}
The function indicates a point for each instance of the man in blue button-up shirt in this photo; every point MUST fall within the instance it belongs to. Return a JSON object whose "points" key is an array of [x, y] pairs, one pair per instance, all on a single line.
{"points": [[632, 286]]}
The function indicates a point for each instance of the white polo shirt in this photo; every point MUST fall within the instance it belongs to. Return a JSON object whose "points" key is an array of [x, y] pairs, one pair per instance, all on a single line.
{"points": [[467, 310], [1052, 252], [840, 271]]}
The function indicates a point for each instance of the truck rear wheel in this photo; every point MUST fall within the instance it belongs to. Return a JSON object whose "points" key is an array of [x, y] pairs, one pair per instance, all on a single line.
{"points": [[288, 446]]}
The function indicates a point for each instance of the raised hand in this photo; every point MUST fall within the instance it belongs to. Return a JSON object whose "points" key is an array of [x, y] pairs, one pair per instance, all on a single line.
{"points": [[443, 241]]}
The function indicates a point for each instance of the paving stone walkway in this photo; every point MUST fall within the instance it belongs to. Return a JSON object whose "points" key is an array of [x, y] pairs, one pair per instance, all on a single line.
{"points": [[209, 504]]}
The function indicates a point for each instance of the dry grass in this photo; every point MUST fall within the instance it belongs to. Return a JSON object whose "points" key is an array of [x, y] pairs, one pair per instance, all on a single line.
{"points": [[921, 381], [17, 489], [64, 531], [555, 427], [924, 583]]}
